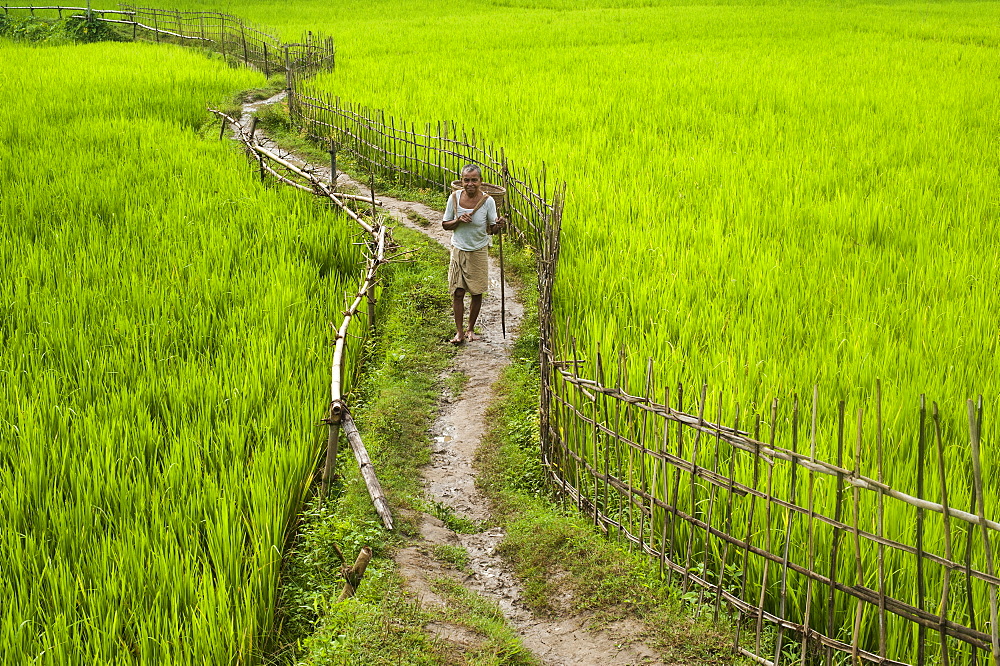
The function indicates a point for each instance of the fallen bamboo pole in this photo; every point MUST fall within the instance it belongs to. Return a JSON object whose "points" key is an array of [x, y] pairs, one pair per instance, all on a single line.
{"points": [[367, 470]]}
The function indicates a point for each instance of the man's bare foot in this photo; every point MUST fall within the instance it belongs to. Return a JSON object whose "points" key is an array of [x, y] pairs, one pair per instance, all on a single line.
{"points": [[458, 339], [472, 336]]}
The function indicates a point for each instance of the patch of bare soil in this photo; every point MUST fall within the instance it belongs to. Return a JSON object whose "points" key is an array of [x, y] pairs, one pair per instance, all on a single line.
{"points": [[450, 481]]}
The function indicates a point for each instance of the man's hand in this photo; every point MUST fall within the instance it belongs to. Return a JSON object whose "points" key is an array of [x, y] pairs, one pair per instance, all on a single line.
{"points": [[465, 217], [498, 225]]}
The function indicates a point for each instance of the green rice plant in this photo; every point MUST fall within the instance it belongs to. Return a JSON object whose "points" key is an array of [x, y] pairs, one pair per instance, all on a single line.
{"points": [[165, 357]]}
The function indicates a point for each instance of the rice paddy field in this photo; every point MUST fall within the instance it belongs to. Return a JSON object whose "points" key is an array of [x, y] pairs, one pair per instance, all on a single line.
{"points": [[165, 356], [762, 196]]}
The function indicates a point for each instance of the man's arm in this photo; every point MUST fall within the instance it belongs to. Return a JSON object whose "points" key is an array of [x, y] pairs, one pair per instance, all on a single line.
{"points": [[450, 222]]}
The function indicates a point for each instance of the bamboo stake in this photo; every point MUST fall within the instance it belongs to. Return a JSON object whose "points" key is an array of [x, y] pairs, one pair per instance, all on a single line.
{"points": [[643, 480], [921, 452], [749, 533], [674, 545], [693, 488], [859, 568], [367, 471], [665, 482], [880, 529], [706, 547], [354, 574], [946, 580], [789, 525], [975, 424], [768, 532], [831, 607], [729, 519], [811, 543]]}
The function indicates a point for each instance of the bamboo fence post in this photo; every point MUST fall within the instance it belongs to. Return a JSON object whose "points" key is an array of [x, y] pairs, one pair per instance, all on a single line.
{"points": [[222, 36], [880, 527], [177, 18], [246, 53], [156, 27], [577, 471], [731, 477], [859, 568], [665, 482], [595, 438], [946, 517], [749, 532], [969, 602], [267, 64], [649, 394], [921, 452], [625, 412], [607, 449], [835, 547], [768, 532], [288, 78], [811, 543], [692, 489], [975, 425], [617, 408], [333, 163], [711, 509], [677, 481], [201, 25], [838, 513], [789, 525], [333, 420]]}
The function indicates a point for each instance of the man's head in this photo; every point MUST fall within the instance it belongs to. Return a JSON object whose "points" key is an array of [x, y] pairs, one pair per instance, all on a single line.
{"points": [[472, 178]]}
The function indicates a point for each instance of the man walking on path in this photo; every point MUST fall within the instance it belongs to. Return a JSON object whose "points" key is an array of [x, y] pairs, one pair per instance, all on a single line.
{"points": [[471, 215]]}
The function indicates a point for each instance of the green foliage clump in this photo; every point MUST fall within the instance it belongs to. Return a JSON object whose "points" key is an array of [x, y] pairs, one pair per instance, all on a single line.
{"points": [[76, 28]]}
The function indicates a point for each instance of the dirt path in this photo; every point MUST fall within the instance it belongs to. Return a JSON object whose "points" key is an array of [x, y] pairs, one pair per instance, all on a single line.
{"points": [[450, 481]]}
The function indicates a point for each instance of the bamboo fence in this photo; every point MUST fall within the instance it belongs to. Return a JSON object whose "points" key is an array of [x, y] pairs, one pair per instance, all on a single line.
{"points": [[797, 547], [230, 36], [428, 156]]}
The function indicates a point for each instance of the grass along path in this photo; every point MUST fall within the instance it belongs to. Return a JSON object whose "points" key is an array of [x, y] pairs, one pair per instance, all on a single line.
{"points": [[462, 592]]}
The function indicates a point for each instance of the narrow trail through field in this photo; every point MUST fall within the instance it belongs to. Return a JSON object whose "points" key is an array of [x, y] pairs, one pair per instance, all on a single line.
{"points": [[449, 480]]}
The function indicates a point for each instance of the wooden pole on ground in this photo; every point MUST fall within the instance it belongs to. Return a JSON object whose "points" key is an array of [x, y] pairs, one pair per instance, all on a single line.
{"points": [[367, 470]]}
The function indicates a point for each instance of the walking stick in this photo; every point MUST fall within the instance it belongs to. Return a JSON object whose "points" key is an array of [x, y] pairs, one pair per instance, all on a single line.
{"points": [[503, 296]]}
